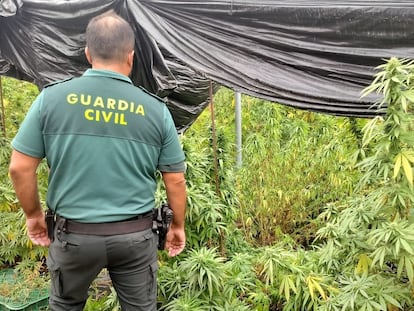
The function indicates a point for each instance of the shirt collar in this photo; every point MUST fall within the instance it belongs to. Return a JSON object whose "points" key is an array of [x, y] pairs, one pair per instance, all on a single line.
{"points": [[107, 74]]}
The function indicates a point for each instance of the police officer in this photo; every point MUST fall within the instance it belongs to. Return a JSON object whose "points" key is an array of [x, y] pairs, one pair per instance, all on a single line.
{"points": [[104, 139]]}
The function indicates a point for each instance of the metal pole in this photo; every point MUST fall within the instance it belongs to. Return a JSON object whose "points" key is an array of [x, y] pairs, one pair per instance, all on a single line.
{"points": [[238, 118]]}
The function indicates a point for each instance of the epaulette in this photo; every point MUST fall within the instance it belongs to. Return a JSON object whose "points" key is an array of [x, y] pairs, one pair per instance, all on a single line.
{"points": [[151, 94], [57, 82]]}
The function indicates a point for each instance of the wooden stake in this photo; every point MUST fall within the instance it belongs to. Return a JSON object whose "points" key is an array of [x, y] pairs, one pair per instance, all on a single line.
{"points": [[216, 170], [3, 115], [213, 133]]}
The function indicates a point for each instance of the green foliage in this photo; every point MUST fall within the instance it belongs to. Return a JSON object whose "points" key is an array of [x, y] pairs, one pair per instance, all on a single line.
{"points": [[375, 292], [372, 231], [8, 201], [209, 214], [17, 97], [297, 161], [279, 189], [289, 230], [207, 281], [23, 281], [204, 272], [15, 246], [105, 302], [391, 141]]}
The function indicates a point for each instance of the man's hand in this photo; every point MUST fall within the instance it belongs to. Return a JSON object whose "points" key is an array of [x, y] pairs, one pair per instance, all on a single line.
{"points": [[176, 195], [175, 241], [37, 229], [23, 175]]}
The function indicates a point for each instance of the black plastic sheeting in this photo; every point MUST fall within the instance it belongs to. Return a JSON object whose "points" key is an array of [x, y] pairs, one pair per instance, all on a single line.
{"points": [[313, 55]]}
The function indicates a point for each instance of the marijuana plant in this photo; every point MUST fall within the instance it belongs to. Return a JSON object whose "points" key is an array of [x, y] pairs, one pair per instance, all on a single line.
{"points": [[374, 233]]}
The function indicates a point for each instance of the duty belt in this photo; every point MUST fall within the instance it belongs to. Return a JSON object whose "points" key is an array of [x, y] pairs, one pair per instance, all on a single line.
{"points": [[136, 224]]}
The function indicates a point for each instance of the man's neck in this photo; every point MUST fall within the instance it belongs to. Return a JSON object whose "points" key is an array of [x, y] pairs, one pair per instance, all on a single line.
{"points": [[118, 68]]}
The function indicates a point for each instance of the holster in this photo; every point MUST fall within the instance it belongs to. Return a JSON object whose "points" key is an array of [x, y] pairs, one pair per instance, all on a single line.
{"points": [[162, 218], [50, 220]]}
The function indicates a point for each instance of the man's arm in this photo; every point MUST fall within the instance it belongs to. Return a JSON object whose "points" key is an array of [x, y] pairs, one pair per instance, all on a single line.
{"points": [[177, 197], [23, 174]]}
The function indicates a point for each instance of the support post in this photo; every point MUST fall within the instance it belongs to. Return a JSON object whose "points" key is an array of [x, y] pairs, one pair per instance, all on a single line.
{"points": [[213, 133], [3, 114]]}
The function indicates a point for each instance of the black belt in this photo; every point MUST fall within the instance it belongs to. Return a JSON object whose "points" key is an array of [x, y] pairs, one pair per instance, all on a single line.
{"points": [[136, 224]]}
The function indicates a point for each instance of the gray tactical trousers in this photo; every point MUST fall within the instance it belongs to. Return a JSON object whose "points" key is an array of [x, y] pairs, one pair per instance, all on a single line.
{"points": [[75, 260]]}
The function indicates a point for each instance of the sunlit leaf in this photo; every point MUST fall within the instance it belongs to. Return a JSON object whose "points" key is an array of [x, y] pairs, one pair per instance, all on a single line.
{"points": [[407, 247], [409, 269], [397, 165], [363, 264], [409, 94], [408, 170], [391, 300]]}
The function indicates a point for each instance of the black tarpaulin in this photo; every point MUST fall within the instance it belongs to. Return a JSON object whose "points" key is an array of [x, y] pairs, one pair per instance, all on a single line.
{"points": [[313, 55]]}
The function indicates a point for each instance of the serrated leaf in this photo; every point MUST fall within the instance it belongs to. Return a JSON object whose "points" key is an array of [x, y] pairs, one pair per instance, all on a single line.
{"points": [[311, 288], [292, 285], [396, 79], [382, 304], [400, 266], [397, 165], [320, 290], [284, 288], [391, 300], [404, 103], [364, 293], [363, 264], [409, 95], [407, 170], [406, 246], [379, 256], [373, 87], [409, 269], [409, 156], [287, 293], [397, 246]]}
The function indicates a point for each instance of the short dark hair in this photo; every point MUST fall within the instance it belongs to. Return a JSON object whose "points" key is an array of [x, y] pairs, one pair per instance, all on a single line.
{"points": [[109, 37]]}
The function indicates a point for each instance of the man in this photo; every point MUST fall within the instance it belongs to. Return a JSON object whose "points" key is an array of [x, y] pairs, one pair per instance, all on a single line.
{"points": [[104, 139]]}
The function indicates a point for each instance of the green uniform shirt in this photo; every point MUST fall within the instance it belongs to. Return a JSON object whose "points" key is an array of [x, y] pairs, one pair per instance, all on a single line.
{"points": [[104, 140]]}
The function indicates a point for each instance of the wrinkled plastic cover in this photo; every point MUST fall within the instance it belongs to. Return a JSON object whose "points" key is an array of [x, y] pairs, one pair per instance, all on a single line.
{"points": [[313, 55]]}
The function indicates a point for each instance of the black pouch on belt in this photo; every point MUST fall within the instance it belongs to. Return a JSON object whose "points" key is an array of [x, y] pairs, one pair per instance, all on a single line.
{"points": [[50, 223], [162, 218]]}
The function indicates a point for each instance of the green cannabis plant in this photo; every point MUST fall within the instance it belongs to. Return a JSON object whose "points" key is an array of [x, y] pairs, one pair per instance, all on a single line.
{"points": [[369, 241]]}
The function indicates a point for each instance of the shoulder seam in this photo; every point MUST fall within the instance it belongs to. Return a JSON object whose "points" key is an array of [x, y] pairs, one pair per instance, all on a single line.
{"points": [[151, 94], [57, 82]]}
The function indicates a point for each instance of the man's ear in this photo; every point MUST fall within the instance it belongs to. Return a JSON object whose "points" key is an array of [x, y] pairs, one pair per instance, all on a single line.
{"points": [[88, 55], [131, 58]]}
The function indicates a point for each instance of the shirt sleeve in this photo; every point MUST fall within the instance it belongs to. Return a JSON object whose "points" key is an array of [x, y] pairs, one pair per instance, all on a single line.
{"points": [[171, 150], [29, 138], [172, 168]]}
